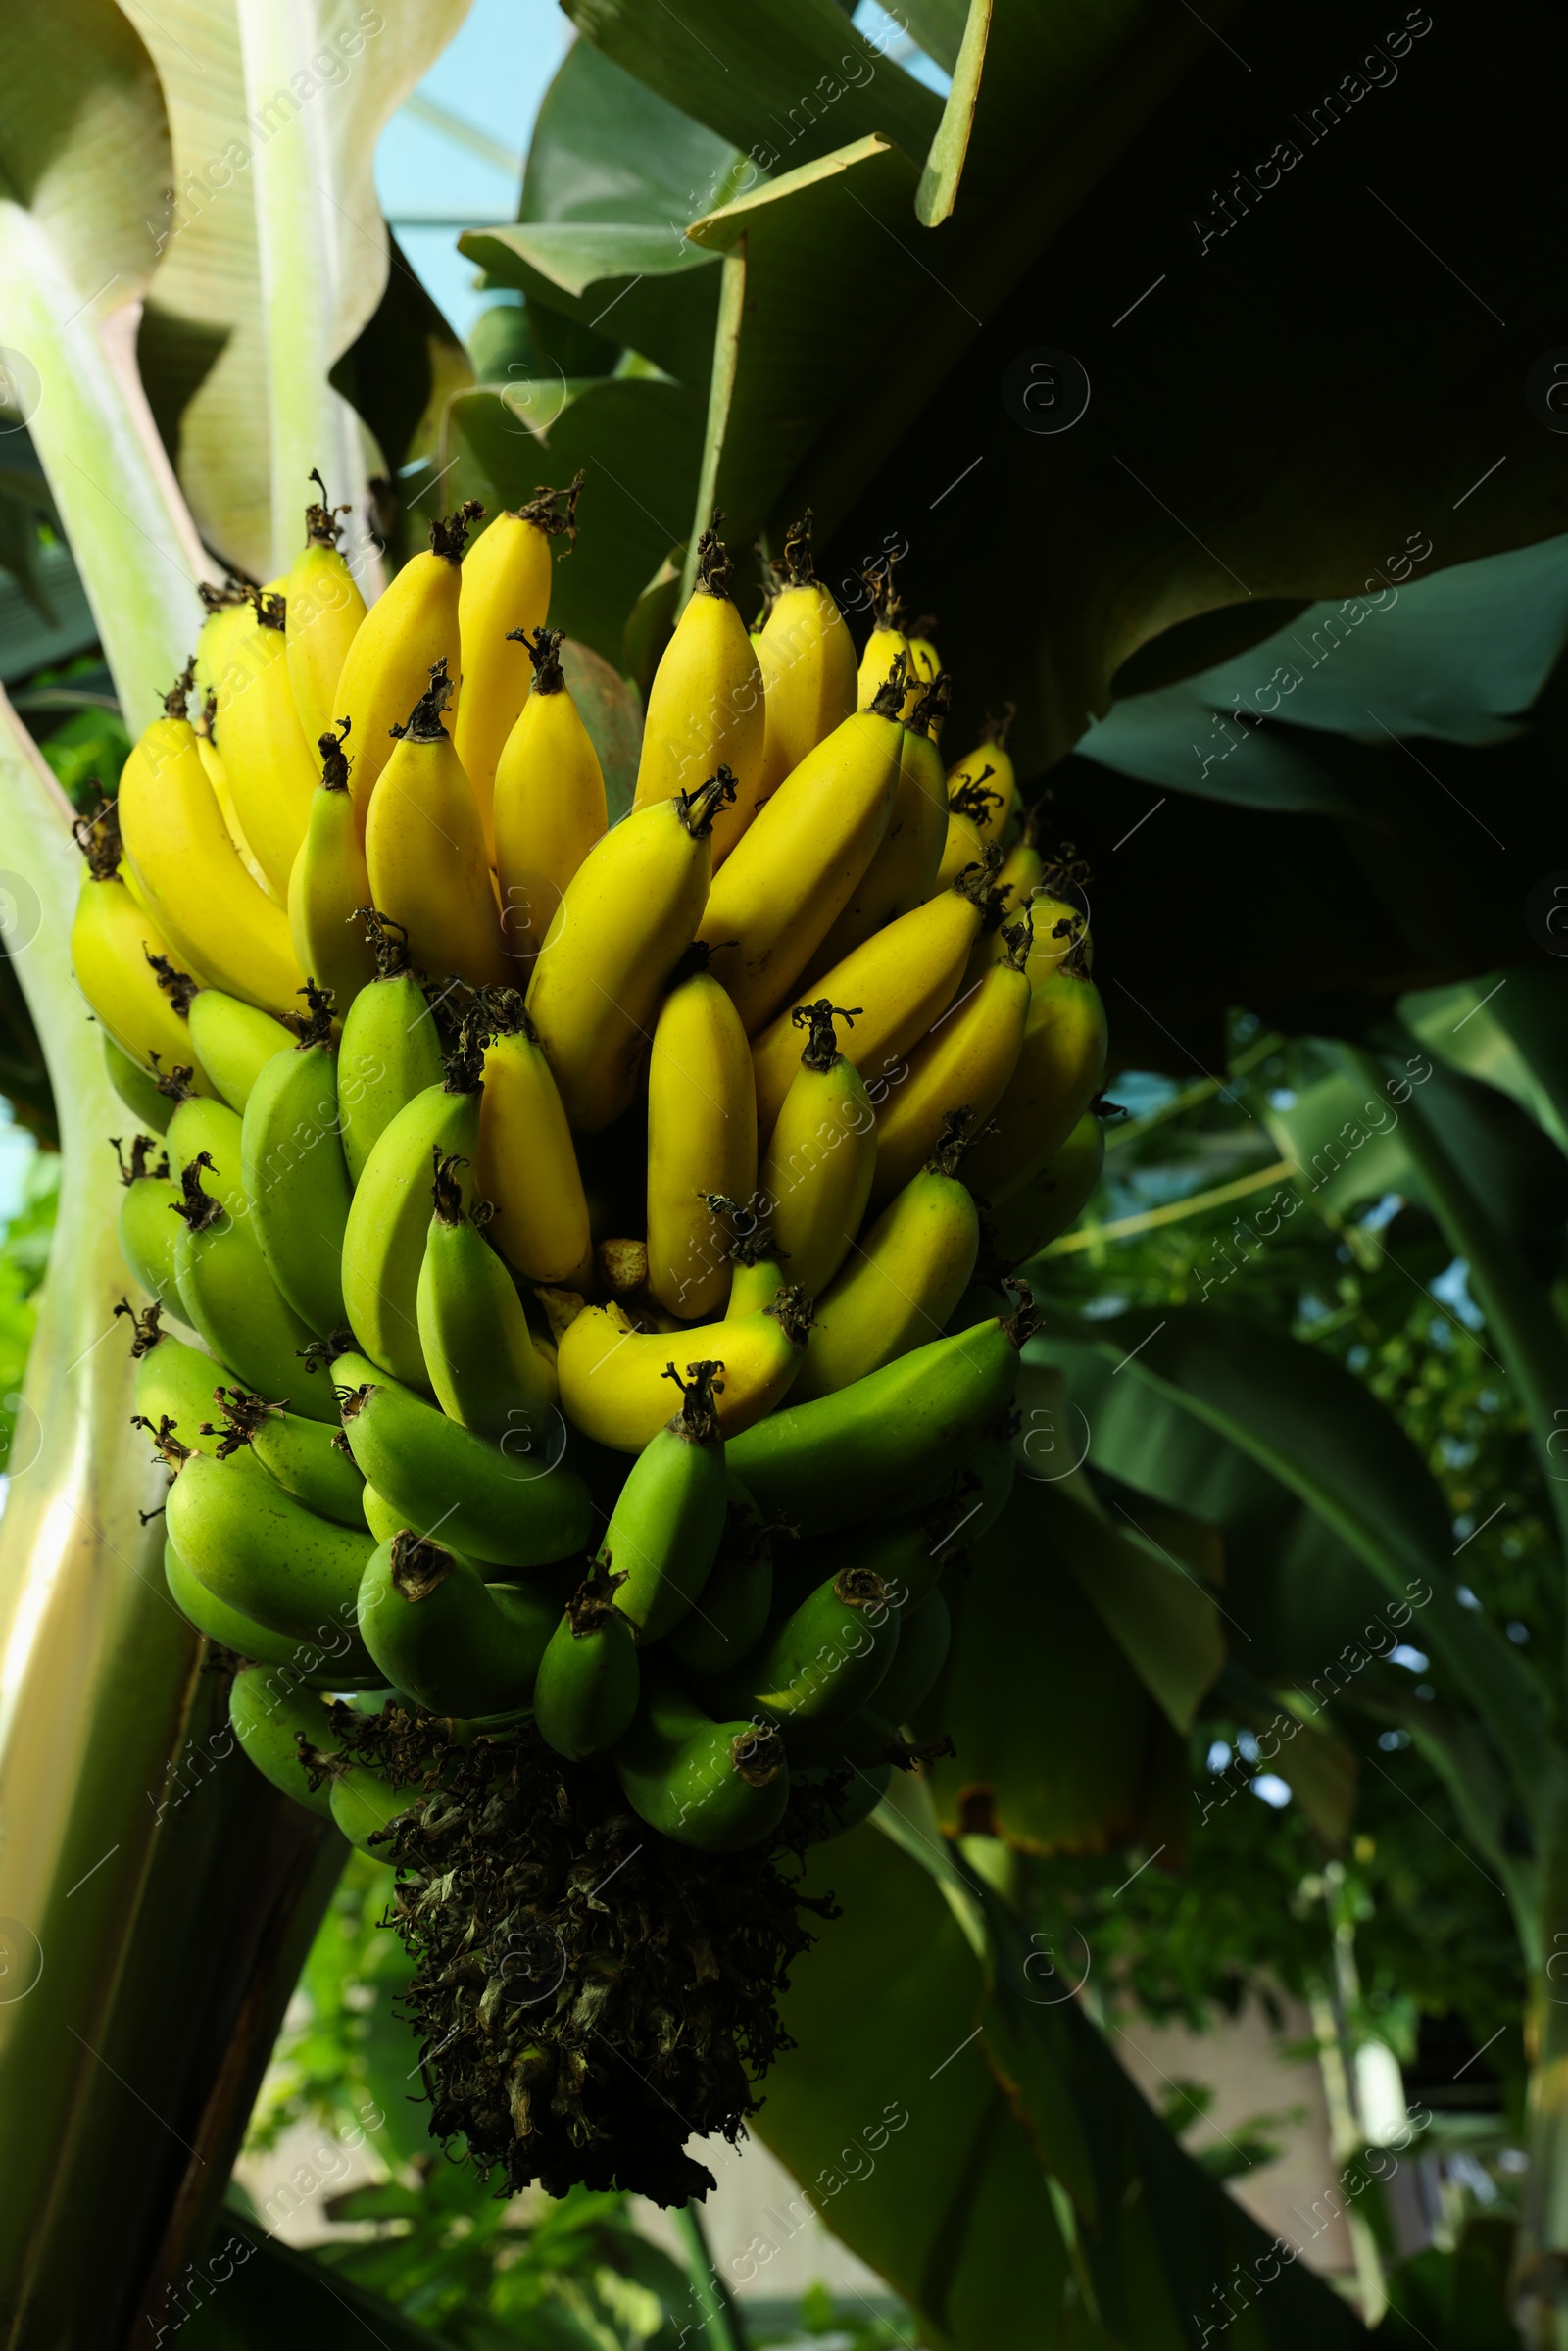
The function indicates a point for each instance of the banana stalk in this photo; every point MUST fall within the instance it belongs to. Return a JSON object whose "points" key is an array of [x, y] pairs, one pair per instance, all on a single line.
{"points": [[153, 1909]]}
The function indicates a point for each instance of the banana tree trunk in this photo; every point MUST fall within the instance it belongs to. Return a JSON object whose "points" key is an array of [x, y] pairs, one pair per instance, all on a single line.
{"points": [[156, 1896]]}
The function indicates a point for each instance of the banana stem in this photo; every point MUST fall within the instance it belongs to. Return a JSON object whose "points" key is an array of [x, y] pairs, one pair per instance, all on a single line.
{"points": [[721, 2320]]}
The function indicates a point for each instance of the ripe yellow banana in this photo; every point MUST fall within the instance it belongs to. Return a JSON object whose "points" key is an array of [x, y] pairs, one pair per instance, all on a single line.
{"points": [[612, 1376], [1002, 783], [706, 706], [330, 884], [885, 644], [702, 1139], [325, 613], [424, 849], [777, 898], [806, 659], [527, 1167], [1059, 1072], [188, 871], [211, 760], [627, 917], [549, 799], [409, 628], [905, 976], [902, 1283], [904, 869], [816, 1176], [229, 615], [962, 1064], [927, 666], [122, 965], [266, 760], [503, 598], [970, 809]]}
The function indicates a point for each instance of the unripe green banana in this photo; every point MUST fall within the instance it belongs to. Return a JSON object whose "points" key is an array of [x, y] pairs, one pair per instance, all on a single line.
{"points": [[296, 1179], [389, 1051], [736, 1598], [389, 1218], [902, 1552], [148, 1230], [456, 1643], [174, 1382], [478, 1349], [379, 1516], [135, 1088], [233, 1042], [307, 1459], [259, 1549], [365, 1805], [821, 1157], [1051, 1202], [507, 1505], [717, 1785], [824, 1660], [271, 1714], [847, 1804], [586, 1691], [664, 1531], [887, 1439], [232, 1299], [923, 1636], [199, 1124], [339, 1660], [964, 1508]]}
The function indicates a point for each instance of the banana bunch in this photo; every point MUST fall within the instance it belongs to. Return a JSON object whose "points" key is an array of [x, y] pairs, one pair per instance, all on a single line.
{"points": [[574, 1250]]}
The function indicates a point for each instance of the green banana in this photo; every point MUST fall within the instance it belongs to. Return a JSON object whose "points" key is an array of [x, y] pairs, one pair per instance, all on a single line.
{"points": [[389, 1051], [924, 1633], [233, 1042], [456, 1643], [379, 1516], [135, 1088], [967, 1505], [586, 1691], [201, 1125], [307, 1459], [847, 1806], [343, 1664], [510, 1508], [664, 1531], [478, 1349], [295, 1176], [147, 1227], [259, 1549], [737, 1596], [717, 1785], [174, 1382], [825, 1659], [364, 1806], [389, 1218], [884, 1440], [901, 1550], [273, 1721], [232, 1301]]}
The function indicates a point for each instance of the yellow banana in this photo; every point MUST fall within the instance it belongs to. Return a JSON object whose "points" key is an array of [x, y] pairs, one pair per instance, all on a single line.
{"points": [[1059, 1072], [408, 630], [705, 707], [806, 659], [627, 917], [886, 643], [229, 615], [701, 1140], [902, 1283], [927, 666], [962, 1064], [527, 1167], [503, 598], [612, 1376], [903, 976], [774, 900], [424, 849], [904, 869], [969, 831], [330, 884], [266, 760], [325, 613], [816, 1176], [121, 965], [188, 871], [992, 766], [549, 798], [212, 759]]}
